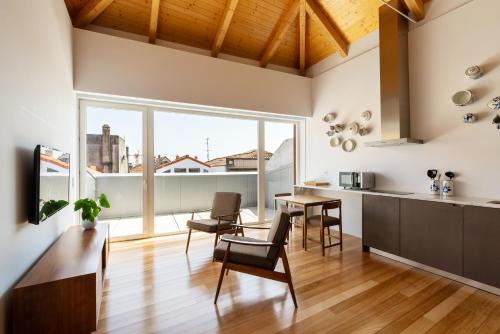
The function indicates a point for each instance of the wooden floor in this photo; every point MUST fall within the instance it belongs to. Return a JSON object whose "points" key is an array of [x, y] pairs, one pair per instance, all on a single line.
{"points": [[153, 287]]}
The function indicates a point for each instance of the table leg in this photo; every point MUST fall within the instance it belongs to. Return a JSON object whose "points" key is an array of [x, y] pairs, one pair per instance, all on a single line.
{"points": [[304, 234]]}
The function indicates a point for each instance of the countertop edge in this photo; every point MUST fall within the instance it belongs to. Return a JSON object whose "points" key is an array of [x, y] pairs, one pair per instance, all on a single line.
{"points": [[459, 200]]}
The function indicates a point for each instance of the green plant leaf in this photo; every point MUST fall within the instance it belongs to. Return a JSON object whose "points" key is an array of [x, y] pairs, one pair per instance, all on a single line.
{"points": [[103, 201]]}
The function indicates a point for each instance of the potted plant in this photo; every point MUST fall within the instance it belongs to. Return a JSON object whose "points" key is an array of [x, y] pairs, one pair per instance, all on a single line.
{"points": [[91, 209]]}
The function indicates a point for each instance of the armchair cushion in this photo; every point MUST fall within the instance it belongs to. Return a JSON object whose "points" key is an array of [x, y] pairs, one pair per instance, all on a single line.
{"points": [[209, 225], [278, 231], [225, 203], [255, 256]]}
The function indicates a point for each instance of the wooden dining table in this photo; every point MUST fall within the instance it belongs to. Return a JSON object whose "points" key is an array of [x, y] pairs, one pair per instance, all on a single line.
{"points": [[305, 201]]}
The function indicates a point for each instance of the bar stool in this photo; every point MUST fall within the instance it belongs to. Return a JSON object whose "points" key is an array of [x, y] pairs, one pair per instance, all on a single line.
{"points": [[326, 221], [292, 211]]}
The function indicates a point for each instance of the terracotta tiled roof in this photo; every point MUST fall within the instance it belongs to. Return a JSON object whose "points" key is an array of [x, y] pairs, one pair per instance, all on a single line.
{"points": [[180, 159], [54, 161], [252, 154]]}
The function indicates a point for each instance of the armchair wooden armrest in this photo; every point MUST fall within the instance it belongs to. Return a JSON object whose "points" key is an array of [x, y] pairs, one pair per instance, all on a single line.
{"points": [[252, 227], [248, 243], [228, 215], [199, 211]]}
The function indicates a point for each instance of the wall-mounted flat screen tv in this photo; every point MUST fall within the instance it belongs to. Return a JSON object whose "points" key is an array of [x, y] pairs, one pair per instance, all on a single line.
{"points": [[51, 182]]}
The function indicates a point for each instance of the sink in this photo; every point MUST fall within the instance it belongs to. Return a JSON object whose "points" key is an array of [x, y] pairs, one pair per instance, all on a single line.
{"points": [[390, 192], [494, 202]]}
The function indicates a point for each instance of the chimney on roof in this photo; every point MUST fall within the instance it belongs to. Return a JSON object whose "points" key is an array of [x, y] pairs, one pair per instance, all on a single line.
{"points": [[176, 157], [127, 153], [106, 148], [196, 157]]}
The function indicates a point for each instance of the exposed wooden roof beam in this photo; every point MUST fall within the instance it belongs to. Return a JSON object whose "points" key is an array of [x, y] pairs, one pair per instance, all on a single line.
{"points": [[279, 32], [315, 10], [89, 12], [416, 8], [302, 36], [153, 20], [224, 23]]}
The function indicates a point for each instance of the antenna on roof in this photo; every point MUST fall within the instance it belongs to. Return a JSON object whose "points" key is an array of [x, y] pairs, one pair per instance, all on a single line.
{"points": [[208, 149]]}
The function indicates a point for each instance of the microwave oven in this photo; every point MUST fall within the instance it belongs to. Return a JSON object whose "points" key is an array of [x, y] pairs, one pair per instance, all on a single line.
{"points": [[357, 180]]}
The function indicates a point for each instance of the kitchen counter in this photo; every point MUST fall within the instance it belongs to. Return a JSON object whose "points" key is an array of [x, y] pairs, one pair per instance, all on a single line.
{"points": [[459, 200]]}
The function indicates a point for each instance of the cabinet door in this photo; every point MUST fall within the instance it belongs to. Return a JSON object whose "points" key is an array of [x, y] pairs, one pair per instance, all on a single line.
{"points": [[381, 223], [482, 245], [432, 234]]}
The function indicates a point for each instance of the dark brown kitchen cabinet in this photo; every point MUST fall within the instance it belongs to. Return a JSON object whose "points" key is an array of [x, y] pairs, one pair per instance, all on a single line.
{"points": [[482, 244], [432, 234], [381, 223]]}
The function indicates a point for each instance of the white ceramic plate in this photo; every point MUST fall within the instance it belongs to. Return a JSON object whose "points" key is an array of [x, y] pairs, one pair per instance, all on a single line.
{"points": [[335, 141], [474, 72], [462, 98], [366, 116], [353, 128], [330, 117], [349, 145]]}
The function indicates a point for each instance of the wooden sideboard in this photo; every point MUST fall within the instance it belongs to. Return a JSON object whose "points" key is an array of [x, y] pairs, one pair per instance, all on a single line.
{"points": [[62, 292]]}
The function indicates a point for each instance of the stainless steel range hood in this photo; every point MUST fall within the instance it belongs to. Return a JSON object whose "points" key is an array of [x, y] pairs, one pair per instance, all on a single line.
{"points": [[394, 79]]}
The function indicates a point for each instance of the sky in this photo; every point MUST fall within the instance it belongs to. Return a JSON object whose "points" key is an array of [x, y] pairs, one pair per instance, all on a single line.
{"points": [[180, 133]]}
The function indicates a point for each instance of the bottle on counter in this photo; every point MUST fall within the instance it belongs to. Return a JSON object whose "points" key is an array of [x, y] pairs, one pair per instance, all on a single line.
{"points": [[447, 186]]}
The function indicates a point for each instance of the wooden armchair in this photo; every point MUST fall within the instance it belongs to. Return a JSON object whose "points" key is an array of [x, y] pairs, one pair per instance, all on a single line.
{"points": [[257, 257], [224, 216]]}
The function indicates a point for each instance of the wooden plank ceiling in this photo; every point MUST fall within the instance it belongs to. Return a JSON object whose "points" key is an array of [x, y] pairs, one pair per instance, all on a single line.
{"points": [[291, 33]]}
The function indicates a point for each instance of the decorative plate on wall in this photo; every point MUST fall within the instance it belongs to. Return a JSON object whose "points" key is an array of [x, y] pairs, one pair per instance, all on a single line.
{"points": [[474, 72], [330, 117], [366, 116], [494, 104], [363, 131], [337, 128], [353, 128], [462, 98], [335, 141], [349, 145]]}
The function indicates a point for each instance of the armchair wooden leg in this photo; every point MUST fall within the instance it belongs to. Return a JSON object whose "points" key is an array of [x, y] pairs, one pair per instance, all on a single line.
{"points": [[221, 277], [288, 275], [189, 238], [215, 242]]}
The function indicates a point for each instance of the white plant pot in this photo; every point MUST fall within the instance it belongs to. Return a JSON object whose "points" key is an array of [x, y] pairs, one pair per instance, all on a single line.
{"points": [[88, 225]]}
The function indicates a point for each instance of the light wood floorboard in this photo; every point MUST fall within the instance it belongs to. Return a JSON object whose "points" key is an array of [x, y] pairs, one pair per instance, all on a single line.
{"points": [[152, 286]]}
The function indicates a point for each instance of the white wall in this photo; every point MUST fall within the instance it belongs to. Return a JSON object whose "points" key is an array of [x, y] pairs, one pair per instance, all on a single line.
{"points": [[37, 106], [118, 66], [440, 51]]}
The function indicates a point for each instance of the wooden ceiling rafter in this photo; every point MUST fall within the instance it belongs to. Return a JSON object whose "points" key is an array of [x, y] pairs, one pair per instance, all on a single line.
{"points": [[261, 30], [416, 8], [153, 20], [224, 23], [315, 10], [302, 37], [89, 12], [279, 32]]}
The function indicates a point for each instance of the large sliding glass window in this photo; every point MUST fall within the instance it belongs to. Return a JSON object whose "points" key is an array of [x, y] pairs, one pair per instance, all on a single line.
{"points": [[128, 150], [280, 145], [113, 166], [197, 155]]}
